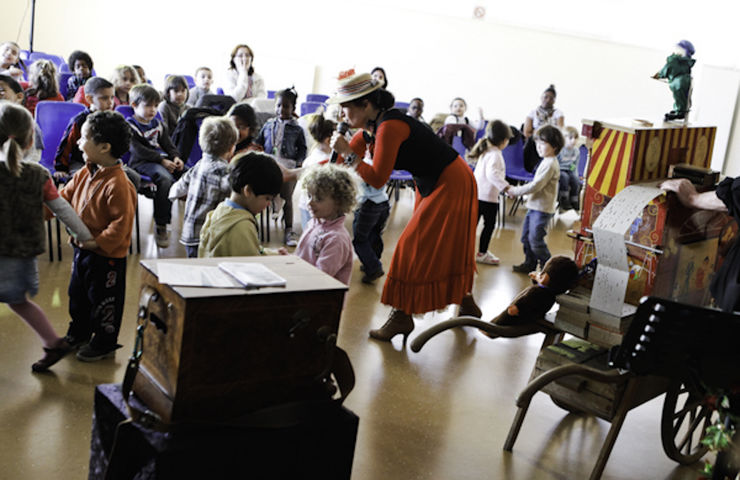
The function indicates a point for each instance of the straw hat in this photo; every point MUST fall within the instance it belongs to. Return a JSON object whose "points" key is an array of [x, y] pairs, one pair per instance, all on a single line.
{"points": [[354, 86]]}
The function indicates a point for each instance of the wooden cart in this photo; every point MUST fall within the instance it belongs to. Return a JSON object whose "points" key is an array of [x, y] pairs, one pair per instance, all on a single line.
{"points": [[683, 420]]}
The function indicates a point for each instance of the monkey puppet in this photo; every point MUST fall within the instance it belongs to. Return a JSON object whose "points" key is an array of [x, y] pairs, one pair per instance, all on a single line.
{"points": [[559, 274]]}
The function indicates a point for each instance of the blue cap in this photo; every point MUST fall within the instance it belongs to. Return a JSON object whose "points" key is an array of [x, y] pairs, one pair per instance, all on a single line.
{"points": [[688, 46]]}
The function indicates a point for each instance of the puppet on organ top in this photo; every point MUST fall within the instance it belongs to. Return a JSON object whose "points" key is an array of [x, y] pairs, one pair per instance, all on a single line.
{"points": [[558, 276], [677, 72]]}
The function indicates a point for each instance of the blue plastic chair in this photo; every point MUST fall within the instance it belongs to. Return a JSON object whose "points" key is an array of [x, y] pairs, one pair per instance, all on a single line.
{"points": [[271, 93], [401, 105], [188, 78], [220, 91], [514, 161], [52, 118], [481, 132], [396, 181], [63, 78], [317, 97], [457, 144], [582, 162], [55, 59], [310, 107]]}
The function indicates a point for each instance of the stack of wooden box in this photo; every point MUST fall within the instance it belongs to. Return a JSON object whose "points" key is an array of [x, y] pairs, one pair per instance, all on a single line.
{"points": [[576, 317]]}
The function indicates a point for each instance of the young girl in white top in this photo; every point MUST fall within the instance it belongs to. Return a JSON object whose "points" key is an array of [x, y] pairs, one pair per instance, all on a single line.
{"points": [[26, 188], [243, 82], [490, 174], [458, 107], [543, 192]]}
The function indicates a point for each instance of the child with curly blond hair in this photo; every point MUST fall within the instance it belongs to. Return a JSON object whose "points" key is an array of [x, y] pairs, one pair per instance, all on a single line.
{"points": [[325, 243]]}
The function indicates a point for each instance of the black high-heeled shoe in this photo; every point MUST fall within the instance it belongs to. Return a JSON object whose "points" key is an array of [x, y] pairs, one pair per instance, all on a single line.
{"points": [[398, 322]]}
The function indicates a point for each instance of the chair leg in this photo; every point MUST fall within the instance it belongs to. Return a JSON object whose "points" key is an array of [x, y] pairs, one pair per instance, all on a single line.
{"points": [[138, 230], [59, 240], [49, 238]]}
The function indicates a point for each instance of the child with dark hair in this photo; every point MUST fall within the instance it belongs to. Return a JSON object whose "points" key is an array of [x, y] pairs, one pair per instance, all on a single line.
{"points": [[284, 138], [68, 159], [207, 183], [12, 91], [490, 175], [231, 228], [416, 109], [81, 64], [26, 188], [123, 78], [203, 82], [43, 84], [245, 121], [154, 155], [173, 105], [379, 75], [106, 201], [321, 130], [10, 61], [542, 191]]}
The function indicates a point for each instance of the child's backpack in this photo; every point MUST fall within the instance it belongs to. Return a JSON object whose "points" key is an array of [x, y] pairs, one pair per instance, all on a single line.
{"points": [[185, 135]]}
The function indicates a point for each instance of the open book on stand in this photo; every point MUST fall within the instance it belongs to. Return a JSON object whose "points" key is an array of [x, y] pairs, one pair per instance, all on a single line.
{"points": [[252, 275]]}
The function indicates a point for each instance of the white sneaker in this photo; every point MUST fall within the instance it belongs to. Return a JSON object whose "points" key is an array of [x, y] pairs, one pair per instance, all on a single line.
{"points": [[291, 239], [487, 258], [277, 207]]}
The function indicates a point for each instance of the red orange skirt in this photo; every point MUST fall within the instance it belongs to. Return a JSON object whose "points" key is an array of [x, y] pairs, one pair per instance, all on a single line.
{"points": [[434, 261]]}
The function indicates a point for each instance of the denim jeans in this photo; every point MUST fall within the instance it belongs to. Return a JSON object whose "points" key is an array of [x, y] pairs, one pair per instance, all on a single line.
{"points": [[534, 230], [367, 230], [163, 179]]}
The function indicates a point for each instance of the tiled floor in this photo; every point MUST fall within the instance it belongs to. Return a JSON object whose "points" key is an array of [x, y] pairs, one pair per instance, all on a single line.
{"points": [[442, 413]]}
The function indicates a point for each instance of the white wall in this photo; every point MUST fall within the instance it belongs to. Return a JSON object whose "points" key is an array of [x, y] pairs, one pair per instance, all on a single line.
{"points": [[434, 49]]}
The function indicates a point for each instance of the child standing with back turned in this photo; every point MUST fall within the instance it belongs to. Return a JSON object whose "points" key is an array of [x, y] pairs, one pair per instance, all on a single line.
{"points": [[26, 188], [490, 174], [106, 201], [542, 191], [207, 183]]}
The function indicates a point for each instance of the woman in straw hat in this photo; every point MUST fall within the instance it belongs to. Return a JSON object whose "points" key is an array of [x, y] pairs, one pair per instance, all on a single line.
{"points": [[433, 264]]}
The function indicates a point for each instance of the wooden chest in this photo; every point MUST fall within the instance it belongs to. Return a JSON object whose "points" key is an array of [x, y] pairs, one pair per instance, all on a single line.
{"points": [[213, 354]]}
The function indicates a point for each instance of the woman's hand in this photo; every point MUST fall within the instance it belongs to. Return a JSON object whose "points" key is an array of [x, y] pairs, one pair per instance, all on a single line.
{"points": [[340, 144]]}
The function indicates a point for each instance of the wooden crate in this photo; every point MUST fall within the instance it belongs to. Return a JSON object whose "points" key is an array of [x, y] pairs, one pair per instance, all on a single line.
{"points": [[212, 354]]}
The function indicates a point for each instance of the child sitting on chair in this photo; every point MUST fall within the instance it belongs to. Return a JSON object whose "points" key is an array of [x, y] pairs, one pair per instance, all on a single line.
{"points": [[43, 81], [326, 243], [203, 82], [106, 201], [81, 64], [173, 105], [230, 229], [68, 158], [154, 155], [542, 191], [570, 183], [207, 183], [12, 91], [10, 61]]}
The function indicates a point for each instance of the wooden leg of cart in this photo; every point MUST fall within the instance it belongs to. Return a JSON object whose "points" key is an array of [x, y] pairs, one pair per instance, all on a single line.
{"points": [[617, 421]]}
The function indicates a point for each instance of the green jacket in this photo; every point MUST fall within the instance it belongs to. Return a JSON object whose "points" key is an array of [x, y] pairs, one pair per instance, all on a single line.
{"points": [[229, 232]]}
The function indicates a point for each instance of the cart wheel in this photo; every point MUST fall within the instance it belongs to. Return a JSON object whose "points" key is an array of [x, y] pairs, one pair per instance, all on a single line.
{"points": [[565, 406], [683, 424]]}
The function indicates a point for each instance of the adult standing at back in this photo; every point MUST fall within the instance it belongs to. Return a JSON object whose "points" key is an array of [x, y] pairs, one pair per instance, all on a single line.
{"points": [[433, 263], [243, 82], [545, 114]]}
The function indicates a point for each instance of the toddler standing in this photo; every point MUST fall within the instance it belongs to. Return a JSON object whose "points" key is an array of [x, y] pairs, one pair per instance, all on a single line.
{"points": [[542, 191], [284, 138], [106, 201], [321, 129], [26, 188], [490, 174], [326, 243], [207, 183]]}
